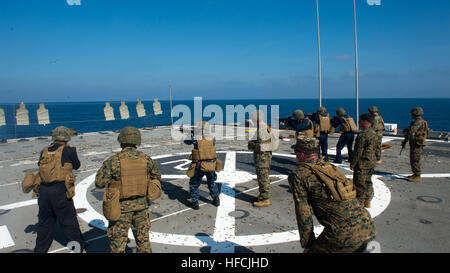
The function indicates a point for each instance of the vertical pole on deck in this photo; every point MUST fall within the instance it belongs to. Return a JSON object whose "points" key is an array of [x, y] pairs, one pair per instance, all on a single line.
{"points": [[170, 95], [318, 59], [356, 65]]}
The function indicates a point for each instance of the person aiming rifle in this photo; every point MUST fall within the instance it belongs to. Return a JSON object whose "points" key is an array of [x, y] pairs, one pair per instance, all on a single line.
{"points": [[300, 123]]}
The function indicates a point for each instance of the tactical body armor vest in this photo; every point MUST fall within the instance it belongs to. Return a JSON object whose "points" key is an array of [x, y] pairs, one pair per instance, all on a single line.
{"points": [[349, 125], [133, 176], [307, 133], [51, 170], [205, 151], [324, 123], [134, 182], [205, 156]]}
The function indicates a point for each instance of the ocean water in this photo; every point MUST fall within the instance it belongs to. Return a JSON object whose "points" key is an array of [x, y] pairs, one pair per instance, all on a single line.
{"points": [[89, 116]]}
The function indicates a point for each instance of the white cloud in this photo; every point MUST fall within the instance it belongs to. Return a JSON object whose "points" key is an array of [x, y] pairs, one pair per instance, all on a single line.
{"points": [[74, 2]]}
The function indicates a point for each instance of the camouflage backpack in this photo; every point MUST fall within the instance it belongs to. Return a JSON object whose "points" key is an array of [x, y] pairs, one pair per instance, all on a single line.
{"points": [[340, 187]]}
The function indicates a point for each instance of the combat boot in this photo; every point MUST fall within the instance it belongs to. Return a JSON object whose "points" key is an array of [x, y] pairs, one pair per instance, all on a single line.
{"points": [[195, 205], [415, 178], [259, 198], [262, 203], [216, 201]]}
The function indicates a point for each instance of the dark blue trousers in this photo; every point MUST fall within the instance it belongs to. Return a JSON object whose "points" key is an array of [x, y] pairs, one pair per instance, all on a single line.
{"points": [[345, 139], [54, 206], [195, 182], [323, 145]]}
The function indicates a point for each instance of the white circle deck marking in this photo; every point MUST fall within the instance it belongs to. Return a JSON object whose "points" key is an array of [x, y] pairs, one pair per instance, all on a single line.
{"points": [[224, 238]]}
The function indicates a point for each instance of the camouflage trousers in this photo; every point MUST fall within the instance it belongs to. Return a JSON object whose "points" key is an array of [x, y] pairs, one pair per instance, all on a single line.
{"points": [[378, 150], [321, 246], [139, 222], [262, 175], [262, 164], [362, 179], [414, 159], [358, 232]]}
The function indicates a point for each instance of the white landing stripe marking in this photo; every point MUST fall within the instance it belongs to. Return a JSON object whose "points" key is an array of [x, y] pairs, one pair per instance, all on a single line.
{"points": [[174, 176], [4, 185], [405, 176], [24, 162], [224, 230], [95, 153], [19, 204], [379, 203], [5, 238], [344, 151]]}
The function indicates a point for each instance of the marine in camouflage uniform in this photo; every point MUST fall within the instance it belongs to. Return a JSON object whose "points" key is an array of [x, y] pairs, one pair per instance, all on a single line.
{"points": [[418, 126], [348, 226], [364, 159], [261, 159], [134, 211], [378, 126]]}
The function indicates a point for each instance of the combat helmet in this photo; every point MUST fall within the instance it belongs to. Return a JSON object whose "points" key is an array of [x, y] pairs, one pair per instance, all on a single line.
{"points": [[307, 145], [130, 135], [373, 109], [417, 111], [340, 112], [298, 114], [321, 110], [61, 133]]}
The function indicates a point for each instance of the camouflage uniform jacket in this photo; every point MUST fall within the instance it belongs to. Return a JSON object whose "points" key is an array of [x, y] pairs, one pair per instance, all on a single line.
{"points": [[377, 119], [364, 156], [110, 170], [262, 157], [347, 223], [418, 125]]}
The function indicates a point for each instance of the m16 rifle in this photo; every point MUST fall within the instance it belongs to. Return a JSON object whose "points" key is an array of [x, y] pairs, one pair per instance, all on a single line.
{"points": [[285, 121], [406, 133]]}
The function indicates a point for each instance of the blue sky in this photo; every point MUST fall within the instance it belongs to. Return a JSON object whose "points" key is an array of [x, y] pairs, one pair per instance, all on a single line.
{"points": [[114, 50]]}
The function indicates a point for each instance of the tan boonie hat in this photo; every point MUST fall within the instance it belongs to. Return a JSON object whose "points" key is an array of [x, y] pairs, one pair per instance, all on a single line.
{"points": [[306, 144]]}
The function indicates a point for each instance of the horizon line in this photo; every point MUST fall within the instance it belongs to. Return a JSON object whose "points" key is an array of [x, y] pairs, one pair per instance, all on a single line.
{"points": [[223, 99]]}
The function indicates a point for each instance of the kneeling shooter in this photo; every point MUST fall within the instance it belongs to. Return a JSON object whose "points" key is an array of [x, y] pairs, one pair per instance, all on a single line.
{"points": [[320, 187]]}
